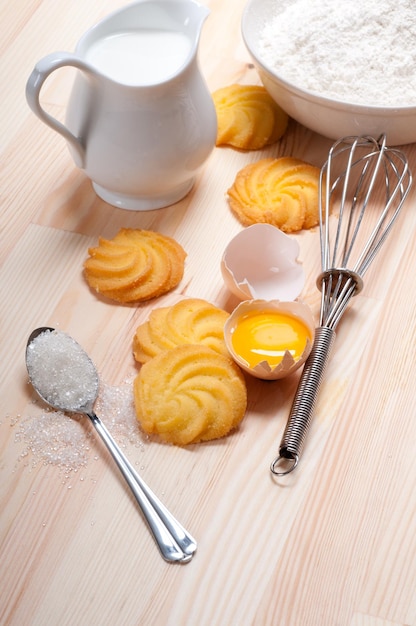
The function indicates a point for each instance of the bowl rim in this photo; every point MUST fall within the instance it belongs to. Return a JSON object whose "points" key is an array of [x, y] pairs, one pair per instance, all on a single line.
{"points": [[313, 96]]}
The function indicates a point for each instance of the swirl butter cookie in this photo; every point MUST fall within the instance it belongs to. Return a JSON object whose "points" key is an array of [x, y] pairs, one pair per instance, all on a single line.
{"points": [[189, 394], [134, 266], [248, 117], [191, 320], [282, 192]]}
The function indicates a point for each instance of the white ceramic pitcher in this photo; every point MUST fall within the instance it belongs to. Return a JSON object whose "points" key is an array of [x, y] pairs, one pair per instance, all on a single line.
{"points": [[140, 120]]}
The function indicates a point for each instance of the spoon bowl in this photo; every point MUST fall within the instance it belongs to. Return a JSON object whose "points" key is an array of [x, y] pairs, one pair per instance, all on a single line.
{"points": [[65, 378], [60, 371]]}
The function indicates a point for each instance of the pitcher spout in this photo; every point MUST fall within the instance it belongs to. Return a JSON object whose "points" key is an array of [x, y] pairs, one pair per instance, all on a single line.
{"points": [[191, 15], [201, 14]]}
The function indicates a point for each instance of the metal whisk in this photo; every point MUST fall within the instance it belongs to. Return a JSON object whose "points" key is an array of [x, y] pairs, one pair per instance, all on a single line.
{"points": [[358, 169]]}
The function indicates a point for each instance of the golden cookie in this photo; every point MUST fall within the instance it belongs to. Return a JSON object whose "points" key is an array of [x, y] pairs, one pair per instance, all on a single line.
{"points": [[190, 394], [282, 192], [135, 265], [191, 320], [248, 117]]}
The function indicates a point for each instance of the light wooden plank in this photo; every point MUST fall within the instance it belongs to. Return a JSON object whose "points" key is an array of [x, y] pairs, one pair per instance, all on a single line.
{"points": [[334, 542]]}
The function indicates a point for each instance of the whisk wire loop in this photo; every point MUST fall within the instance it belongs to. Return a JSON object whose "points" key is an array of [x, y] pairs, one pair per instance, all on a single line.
{"points": [[396, 171], [375, 165]]}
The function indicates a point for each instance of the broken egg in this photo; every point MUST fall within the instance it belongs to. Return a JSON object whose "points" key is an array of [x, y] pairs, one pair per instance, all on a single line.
{"points": [[261, 263], [270, 339]]}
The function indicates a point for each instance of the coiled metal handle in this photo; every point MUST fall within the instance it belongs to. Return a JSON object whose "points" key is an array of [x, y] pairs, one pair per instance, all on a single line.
{"points": [[304, 403]]}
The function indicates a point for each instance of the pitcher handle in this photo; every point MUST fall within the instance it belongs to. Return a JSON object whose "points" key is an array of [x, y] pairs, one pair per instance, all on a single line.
{"points": [[36, 80]]}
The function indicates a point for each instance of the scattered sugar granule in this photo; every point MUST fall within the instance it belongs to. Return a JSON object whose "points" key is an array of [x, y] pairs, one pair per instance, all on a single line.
{"points": [[116, 406], [359, 51], [69, 441], [54, 438]]}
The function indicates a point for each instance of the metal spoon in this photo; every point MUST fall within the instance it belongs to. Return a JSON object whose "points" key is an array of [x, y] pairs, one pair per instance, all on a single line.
{"points": [[175, 543]]}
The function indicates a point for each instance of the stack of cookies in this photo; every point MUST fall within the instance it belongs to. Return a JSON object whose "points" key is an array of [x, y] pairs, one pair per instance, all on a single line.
{"points": [[188, 389]]}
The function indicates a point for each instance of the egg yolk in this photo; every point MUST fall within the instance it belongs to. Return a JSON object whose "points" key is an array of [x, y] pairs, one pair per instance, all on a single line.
{"points": [[266, 336]]}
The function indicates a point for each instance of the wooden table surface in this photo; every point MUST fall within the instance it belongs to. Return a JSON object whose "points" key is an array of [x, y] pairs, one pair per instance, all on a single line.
{"points": [[333, 543]]}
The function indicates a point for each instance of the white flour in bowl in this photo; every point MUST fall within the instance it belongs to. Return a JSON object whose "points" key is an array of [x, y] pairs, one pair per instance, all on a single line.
{"points": [[359, 51]]}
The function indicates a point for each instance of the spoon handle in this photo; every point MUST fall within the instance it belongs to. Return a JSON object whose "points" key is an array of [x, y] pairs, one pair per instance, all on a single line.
{"points": [[174, 542]]}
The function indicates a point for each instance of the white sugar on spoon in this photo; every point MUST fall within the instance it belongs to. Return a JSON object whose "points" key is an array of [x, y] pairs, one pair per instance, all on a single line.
{"points": [[61, 372], [65, 378]]}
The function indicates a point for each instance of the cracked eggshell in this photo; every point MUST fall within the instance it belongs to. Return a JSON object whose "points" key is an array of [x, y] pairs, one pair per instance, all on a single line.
{"points": [[288, 365], [261, 263]]}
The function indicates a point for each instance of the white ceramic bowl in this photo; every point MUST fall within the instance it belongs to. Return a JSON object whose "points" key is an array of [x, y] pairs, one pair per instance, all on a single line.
{"points": [[329, 117]]}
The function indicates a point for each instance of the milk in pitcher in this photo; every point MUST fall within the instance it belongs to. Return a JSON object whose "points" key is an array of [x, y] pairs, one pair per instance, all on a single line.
{"points": [[140, 58]]}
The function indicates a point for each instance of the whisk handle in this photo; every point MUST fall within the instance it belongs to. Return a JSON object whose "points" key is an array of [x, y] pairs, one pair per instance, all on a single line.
{"points": [[304, 403]]}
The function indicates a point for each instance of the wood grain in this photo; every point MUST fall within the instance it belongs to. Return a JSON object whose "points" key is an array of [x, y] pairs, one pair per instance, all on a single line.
{"points": [[334, 543]]}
